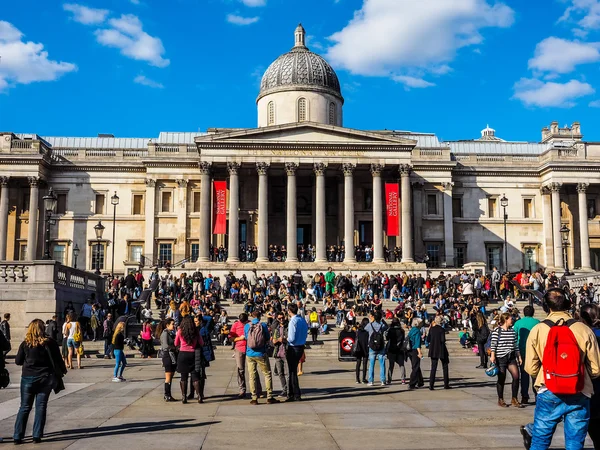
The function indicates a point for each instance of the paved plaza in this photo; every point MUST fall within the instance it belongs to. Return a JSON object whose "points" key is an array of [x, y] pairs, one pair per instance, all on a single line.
{"points": [[94, 413]]}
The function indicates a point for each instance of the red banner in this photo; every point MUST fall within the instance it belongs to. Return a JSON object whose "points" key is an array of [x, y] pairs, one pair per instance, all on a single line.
{"points": [[219, 207], [391, 206]]}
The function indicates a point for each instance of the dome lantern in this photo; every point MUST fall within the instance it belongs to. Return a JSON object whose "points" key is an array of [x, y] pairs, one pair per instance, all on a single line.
{"points": [[300, 35]]}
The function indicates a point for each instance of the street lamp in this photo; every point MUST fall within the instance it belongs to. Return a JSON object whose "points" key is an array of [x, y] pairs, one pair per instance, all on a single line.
{"points": [[75, 255], [564, 231], [99, 229], [50, 202], [504, 204], [529, 253], [114, 200]]}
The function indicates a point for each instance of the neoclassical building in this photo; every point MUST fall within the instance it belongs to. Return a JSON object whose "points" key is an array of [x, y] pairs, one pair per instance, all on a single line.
{"points": [[301, 177]]}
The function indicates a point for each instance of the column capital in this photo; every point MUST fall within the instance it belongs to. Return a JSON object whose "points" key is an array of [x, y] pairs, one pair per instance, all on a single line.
{"points": [[405, 169], [262, 167], [319, 169], [4, 180], [348, 169], [544, 190], [34, 181], [290, 168], [182, 183], [233, 168], [376, 169], [204, 167], [582, 187], [448, 185], [554, 187], [417, 184], [150, 182]]}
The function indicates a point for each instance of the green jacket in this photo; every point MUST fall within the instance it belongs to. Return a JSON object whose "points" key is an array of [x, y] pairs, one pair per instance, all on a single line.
{"points": [[522, 329]]}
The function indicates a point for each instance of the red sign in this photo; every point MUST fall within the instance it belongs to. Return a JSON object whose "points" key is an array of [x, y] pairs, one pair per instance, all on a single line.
{"points": [[219, 207], [347, 344], [391, 205]]}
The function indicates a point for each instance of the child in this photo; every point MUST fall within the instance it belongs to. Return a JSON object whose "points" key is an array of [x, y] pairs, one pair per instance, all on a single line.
{"points": [[465, 338], [224, 336]]}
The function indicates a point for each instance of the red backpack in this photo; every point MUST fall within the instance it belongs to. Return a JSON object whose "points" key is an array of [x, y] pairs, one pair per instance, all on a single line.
{"points": [[562, 362]]}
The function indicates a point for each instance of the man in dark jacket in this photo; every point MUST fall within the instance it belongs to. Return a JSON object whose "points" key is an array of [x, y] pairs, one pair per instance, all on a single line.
{"points": [[52, 329], [438, 352], [360, 351], [395, 350]]}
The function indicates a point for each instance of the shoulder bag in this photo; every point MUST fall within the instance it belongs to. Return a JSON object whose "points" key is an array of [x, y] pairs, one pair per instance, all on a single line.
{"points": [[59, 385]]}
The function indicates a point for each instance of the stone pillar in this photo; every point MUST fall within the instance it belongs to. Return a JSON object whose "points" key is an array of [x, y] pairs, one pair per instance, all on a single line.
{"points": [[547, 219], [32, 232], [292, 221], [448, 224], [583, 226], [340, 209], [233, 251], [376, 170], [149, 215], [321, 244], [181, 218], [406, 197], [4, 216], [556, 225], [349, 211], [263, 211], [418, 218], [205, 211]]}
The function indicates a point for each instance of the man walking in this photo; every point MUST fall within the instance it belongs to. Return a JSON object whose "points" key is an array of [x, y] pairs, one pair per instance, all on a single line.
{"points": [[107, 333], [522, 329], [237, 336], [296, 339], [565, 397], [376, 329], [438, 352]]}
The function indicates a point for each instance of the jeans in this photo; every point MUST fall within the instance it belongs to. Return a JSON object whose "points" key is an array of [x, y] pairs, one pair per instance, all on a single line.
{"points": [[293, 356], [381, 357], [262, 362], [525, 378], [108, 346], [240, 361], [38, 389], [279, 370], [550, 409], [120, 363]]}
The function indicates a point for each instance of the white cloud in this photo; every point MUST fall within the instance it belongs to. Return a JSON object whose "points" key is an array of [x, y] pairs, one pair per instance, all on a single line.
{"points": [[594, 104], [26, 62], [239, 20], [585, 12], [412, 82], [126, 33], [142, 79], [135, 2], [534, 92], [85, 15], [394, 37], [561, 56], [313, 43], [254, 3]]}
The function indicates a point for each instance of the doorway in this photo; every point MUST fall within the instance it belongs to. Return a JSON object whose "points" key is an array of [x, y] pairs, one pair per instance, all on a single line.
{"points": [[365, 232]]}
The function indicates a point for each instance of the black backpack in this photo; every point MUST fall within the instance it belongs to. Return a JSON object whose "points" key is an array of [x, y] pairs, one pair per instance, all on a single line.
{"points": [[376, 341]]}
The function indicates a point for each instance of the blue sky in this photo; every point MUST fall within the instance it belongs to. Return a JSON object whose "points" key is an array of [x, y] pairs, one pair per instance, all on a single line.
{"points": [[138, 67]]}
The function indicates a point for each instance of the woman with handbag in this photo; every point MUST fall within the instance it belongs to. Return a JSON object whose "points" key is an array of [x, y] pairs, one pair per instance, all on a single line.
{"points": [[72, 333], [43, 369], [166, 333]]}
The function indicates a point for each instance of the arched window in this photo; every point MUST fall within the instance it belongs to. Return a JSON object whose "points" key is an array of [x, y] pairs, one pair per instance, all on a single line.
{"points": [[332, 114], [271, 113], [301, 110]]}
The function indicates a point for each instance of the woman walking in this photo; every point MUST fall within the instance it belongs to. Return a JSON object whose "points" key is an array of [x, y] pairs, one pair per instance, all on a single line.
{"points": [[72, 333], [189, 360], [482, 333], [118, 342], [505, 354], [147, 349], [166, 333], [42, 364], [361, 351], [395, 350]]}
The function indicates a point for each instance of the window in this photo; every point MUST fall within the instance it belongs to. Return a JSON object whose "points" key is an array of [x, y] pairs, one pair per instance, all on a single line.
{"points": [[97, 255], [332, 114], [457, 207], [432, 205], [302, 110], [135, 252], [591, 207], [26, 202], [59, 253], [271, 113], [433, 254], [22, 251], [138, 204], [195, 252], [196, 201], [165, 254], [100, 203], [494, 255], [367, 199], [166, 201], [530, 258], [492, 207], [528, 208], [460, 255], [61, 203]]}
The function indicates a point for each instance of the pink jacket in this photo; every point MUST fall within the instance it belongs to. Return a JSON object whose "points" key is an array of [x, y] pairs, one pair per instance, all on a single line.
{"points": [[184, 346], [237, 330]]}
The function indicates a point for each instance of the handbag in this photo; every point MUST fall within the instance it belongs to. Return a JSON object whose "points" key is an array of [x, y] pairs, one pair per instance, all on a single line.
{"points": [[80, 350], [59, 385], [4, 378]]}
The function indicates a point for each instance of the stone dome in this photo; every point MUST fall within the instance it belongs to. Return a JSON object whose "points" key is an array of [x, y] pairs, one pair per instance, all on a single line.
{"points": [[300, 70]]}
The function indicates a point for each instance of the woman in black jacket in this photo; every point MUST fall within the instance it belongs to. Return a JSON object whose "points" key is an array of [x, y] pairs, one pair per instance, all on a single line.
{"points": [[361, 351], [482, 333], [395, 350], [42, 365], [438, 352]]}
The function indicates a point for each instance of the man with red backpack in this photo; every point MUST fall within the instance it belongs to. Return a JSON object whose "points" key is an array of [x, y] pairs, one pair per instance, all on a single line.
{"points": [[562, 355]]}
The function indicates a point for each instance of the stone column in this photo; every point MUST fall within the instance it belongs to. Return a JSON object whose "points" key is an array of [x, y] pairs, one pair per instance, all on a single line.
{"points": [[583, 226], [340, 209], [418, 218], [406, 197], [205, 211], [376, 170], [149, 215], [181, 218], [556, 225], [349, 211], [547, 225], [233, 251], [32, 232], [448, 224], [4, 216], [263, 211], [292, 221], [321, 244]]}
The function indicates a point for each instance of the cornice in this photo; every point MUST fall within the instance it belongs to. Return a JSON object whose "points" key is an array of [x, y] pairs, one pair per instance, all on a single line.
{"points": [[265, 145]]}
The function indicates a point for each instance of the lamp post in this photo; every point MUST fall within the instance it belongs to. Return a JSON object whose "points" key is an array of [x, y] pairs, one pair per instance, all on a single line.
{"points": [[564, 231], [529, 253], [75, 255], [50, 202], [504, 204], [99, 229], [114, 200]]}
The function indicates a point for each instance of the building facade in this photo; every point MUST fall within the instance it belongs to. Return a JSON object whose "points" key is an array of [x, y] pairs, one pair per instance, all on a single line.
{"points": [[302, 178]]}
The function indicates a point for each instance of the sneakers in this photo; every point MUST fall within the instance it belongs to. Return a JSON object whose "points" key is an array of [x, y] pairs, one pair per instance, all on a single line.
{"points": [[116, 380], [383, 383], [254, 402], [370, 384], [122, 379], [357, 382]]}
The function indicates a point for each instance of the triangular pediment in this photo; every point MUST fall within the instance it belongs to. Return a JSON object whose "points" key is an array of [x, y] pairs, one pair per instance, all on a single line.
{"points": [[306, 133]]}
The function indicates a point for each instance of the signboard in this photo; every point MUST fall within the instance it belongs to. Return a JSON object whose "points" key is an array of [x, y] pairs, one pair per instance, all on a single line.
{"points": [[219, 207], [391, 206]]}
